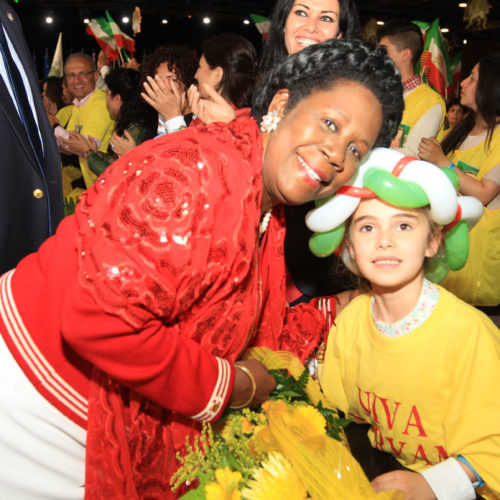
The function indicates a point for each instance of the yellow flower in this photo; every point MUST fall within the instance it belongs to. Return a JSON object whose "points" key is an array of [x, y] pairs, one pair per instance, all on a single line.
{"points": [[274, 480], [246, 426], [226, 486], [316, 421]]}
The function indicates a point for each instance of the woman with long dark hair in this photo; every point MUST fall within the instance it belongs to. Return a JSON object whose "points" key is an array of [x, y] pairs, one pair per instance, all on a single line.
{"points": [[296, 24], [472, 149], [132, 116], [228, 63]]}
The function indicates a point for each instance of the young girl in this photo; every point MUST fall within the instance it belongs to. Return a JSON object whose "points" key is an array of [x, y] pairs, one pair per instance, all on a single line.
{"points": [[408, 357]]}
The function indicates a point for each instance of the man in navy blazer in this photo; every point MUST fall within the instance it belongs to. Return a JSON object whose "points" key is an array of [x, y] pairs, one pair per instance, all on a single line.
{"points": [[31, 202]]}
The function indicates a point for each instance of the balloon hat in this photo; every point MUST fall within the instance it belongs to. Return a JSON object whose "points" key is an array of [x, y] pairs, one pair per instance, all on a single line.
{"points": [[406, 182]]}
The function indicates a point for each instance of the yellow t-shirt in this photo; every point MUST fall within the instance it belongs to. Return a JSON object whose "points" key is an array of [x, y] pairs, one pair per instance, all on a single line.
{"points": [[92, 119], [478, 282], [64, 114], [429, 394], [417, 103]]}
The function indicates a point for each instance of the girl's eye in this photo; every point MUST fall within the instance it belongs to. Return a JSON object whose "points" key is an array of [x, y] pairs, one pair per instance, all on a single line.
{"points": [[326, 19], [354, 150], [331, 125], [404, 226], [300, 12], [367, 228]]}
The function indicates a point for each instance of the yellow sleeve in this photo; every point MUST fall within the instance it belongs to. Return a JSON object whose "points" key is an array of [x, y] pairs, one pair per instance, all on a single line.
{"points": [[472, 427]]}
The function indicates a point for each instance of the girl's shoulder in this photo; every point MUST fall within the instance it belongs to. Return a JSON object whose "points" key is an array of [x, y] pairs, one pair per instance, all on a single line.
{"points": [[458, 316], [351, 304]]}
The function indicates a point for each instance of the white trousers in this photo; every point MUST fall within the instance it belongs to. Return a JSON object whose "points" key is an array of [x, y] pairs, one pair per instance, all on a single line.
{"points": [[42, 452]]}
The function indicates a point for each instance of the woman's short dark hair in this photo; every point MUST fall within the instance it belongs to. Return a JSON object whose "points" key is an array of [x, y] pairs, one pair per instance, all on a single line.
{"points": [[487, 100], [54, 90], [321, 66], [124, 82], [238, 59], [275, 50], [181, 60], [454, 101]]}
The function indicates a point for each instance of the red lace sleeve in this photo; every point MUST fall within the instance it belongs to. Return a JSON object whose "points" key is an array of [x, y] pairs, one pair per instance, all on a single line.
{"points": [[151, 242], [166, 275]]}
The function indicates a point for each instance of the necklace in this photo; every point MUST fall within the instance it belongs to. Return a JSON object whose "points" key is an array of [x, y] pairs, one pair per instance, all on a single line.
{"points": [[265, 221]]}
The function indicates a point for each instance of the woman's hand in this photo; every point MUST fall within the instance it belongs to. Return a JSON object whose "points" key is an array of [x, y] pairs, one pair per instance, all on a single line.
{"points": [[166, 98], [78, 144], [213, 109], [122, 145], [412, 483], [430, 150], [53, 119], [243, 386]]}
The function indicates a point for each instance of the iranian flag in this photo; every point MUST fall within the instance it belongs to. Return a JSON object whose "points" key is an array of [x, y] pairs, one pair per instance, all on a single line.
{"points": [[122, 40], [262, 23], [434, 63], [101, 30]]}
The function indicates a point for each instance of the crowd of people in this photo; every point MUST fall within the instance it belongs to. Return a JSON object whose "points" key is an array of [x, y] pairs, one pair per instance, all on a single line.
{"points": [[195, 188]]}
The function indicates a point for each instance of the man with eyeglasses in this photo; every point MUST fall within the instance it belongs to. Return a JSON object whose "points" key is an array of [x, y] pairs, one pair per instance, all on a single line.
{"points": [[90, 125]]}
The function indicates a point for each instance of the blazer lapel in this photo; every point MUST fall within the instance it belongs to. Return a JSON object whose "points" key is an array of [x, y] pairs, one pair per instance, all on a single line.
{"points": [[11, 117]]}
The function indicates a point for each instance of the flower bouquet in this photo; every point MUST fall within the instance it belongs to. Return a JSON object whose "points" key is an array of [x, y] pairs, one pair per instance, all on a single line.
{"points": [[292, 447]]}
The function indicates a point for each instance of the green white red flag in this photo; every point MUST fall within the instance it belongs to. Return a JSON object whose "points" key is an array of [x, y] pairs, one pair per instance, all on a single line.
{"points": [[434, 65], [101, 30], [122, 40], [262, 23]]}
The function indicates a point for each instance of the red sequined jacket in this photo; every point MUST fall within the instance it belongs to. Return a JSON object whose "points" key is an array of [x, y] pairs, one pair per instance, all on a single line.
{"points": [[159, 281]]}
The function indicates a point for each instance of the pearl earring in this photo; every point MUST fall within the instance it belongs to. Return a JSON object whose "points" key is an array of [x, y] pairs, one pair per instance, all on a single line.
{"points": [[269, 122]]}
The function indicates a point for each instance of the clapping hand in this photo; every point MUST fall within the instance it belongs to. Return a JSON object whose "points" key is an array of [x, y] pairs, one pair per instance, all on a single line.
{"points": [[165, 97], [121, 145], [78, 144], [213, 109]]}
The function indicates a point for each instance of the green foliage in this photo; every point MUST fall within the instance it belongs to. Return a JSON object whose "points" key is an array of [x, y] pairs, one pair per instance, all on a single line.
{"points": [[234, 447], [294, 391], [69, 206]]}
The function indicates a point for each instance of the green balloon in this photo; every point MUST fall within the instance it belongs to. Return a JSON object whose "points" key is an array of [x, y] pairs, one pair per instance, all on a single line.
{"points": [[452, 176], [435, 270], [397, 192], [324, 244], [457, 246]]}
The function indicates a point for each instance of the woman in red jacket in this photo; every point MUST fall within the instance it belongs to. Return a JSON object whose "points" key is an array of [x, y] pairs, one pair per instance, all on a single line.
{"points": [[128, 327]]}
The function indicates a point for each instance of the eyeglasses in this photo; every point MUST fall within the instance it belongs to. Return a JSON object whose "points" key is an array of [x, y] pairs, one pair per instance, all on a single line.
{"points": [[79, 76]]}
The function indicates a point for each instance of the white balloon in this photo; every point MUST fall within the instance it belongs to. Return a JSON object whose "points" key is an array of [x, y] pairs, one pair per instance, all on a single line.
{"points": [[472, 210], [437, 186], [332, 213]]}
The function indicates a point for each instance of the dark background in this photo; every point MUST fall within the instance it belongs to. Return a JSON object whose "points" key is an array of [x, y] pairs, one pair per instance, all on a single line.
{"points": [[185, 25]]}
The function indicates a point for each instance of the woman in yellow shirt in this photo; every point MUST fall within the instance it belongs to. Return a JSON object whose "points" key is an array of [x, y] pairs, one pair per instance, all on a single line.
{"points": [[473, 149]]}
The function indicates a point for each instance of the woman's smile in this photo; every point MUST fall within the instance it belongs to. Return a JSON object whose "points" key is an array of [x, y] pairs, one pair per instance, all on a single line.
{"points": [[310, 174]]}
